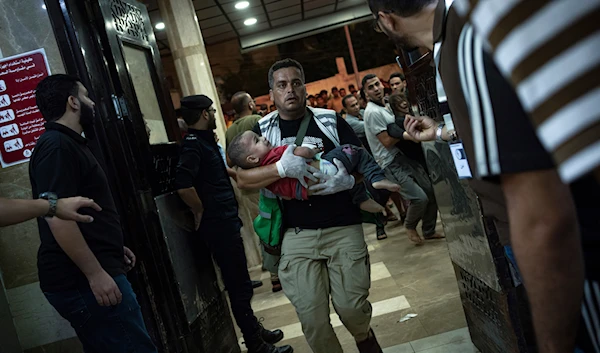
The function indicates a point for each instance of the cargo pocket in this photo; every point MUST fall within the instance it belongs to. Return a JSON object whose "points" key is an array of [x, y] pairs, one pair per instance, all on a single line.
{"points": [[357, 271]]}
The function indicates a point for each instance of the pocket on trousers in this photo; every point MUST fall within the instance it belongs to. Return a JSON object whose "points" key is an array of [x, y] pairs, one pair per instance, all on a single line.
{"points": [[71, 306], [358, 269]]}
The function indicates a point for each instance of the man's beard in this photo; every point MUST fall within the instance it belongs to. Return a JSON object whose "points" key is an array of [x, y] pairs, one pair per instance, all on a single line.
{"points": [[212, 124], [401, 42], [254, 111], [86, 119]]}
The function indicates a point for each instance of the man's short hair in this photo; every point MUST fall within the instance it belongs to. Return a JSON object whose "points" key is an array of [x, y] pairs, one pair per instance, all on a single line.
{"points": [[367, 78], [324, 91], [403, 8], [52, 95], [238, 151], [334, 88], [346, 98], [311, 96], [363, 95], [351, 87], [399, 75], [282, 64], [240, 101]]}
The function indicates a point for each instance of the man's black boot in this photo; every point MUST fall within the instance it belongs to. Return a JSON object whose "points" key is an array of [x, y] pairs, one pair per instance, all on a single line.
{"points": [[256, 344], [271, 337]]}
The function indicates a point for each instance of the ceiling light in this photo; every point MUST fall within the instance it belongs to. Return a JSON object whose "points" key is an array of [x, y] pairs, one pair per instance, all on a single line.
{"points": [[44, 6], [196, 17], [242, 5], [160, 26], [250, 21]]}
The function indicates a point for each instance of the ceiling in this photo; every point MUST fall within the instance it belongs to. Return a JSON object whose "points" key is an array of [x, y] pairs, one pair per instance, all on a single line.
{"points": [[220, 21]]}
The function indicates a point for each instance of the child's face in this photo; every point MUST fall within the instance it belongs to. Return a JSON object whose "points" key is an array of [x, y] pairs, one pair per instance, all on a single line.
{"points": [[258, 147]]}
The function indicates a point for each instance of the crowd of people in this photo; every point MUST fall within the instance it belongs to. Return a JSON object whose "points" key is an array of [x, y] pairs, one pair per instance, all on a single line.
{"points": [[315, 170]]}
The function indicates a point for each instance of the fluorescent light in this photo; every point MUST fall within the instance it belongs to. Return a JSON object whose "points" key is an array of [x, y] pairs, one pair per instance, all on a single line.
{"points": [[242, 5], [250, 21], [160, 26], [196, 17], [44, 6]]}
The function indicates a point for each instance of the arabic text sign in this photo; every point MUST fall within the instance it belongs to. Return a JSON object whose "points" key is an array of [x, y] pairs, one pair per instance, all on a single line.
{"points": [[21, 123]]}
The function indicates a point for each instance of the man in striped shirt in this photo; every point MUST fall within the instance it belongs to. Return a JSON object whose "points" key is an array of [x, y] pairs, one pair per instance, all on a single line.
{"points": [[548, 51]]}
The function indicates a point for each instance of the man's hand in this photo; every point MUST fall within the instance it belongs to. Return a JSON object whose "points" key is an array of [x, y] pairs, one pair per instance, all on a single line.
{"points": [[333, 183], [105, 289], [421, 128], [129, 259], [291, 166], [197, 219], [67, 209]]}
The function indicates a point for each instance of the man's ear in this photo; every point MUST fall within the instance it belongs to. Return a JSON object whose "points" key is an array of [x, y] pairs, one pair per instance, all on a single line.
{"points": [[74, 103], [388, 20], [252, 159], [271, 95]]}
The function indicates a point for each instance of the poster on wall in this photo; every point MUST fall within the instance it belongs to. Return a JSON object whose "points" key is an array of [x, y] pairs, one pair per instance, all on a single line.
{"points": [[21, 123]]}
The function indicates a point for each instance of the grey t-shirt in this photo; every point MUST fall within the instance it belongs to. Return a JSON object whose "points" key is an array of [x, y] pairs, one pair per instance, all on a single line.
{"points": [[358, 125], [377, 119]]}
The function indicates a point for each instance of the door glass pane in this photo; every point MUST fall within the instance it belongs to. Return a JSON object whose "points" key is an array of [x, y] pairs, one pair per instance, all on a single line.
{"points": [[139, 71]]}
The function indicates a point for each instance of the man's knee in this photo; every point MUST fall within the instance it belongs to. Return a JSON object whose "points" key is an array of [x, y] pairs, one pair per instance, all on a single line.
{"points": [[354, 311]]}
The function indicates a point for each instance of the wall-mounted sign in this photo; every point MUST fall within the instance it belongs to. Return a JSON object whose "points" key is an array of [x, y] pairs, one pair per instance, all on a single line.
{"points": [[21, 122]]}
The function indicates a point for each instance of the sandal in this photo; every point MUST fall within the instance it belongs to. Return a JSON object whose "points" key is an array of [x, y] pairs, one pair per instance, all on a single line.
{"points": [[381, 233]]}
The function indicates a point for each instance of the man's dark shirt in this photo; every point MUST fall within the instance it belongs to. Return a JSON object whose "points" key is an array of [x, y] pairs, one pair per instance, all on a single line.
{"points": [[319, 211], [201, 166], [62, 163]]}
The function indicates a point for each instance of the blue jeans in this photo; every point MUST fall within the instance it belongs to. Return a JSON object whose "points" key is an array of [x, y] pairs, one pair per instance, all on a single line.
{"points": [[116, 329]]}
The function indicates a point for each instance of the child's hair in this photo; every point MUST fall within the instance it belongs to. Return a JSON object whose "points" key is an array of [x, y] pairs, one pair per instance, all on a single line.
{"points": [[395, 100], [238, 152]]}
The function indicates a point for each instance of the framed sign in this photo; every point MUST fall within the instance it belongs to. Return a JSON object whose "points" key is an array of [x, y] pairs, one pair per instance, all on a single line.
{"points": [[21, 123]]}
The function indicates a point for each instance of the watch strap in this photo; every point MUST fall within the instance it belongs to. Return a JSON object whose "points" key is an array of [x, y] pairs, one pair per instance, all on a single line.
{"points": [[439, 131], [52, 201]]}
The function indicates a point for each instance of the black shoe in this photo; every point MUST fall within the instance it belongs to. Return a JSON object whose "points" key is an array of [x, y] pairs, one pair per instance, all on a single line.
{"points": [[257, 344], [271, 337], [256, 284]]}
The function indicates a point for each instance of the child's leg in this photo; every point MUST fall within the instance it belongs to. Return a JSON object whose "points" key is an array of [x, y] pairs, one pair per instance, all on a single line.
{"points": [[357, 159]]}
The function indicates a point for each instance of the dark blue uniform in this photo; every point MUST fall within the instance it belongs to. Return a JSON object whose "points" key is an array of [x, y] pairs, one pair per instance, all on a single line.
{"points": [[201, 166]]}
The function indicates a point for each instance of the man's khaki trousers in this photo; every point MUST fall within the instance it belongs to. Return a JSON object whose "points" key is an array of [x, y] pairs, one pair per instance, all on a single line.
{"points": [[318, 263]]}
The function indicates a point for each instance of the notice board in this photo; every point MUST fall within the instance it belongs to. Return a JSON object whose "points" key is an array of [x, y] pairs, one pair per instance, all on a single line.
{"points": [[21, 123]]}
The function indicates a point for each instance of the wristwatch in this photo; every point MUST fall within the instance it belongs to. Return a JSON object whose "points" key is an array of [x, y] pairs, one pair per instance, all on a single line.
{"points": [[438, 132], [52, 200]]}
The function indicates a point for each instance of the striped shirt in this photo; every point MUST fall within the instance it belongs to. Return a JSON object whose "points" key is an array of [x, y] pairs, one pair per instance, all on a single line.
{"points": [[550, 52]]}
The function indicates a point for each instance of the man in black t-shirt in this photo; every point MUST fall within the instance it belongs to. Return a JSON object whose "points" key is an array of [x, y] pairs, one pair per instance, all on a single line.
{"points": [[82, 266], [323, 252]]}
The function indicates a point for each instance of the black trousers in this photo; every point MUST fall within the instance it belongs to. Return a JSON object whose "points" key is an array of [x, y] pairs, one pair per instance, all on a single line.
{"points": [[225, 243]]}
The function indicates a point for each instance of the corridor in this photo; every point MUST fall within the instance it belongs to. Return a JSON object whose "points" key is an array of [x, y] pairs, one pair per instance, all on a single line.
{"points": [[406, 279]]}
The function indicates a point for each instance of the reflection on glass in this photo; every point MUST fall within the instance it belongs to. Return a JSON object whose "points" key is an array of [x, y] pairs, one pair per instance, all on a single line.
{"points": [[137, 65]]}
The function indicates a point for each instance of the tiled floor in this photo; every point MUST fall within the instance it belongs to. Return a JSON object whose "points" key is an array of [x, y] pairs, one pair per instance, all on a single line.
{"points": [[406, 279]]}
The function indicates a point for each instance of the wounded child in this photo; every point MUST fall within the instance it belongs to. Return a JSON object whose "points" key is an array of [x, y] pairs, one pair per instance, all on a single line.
{"points": [[249, 150]]}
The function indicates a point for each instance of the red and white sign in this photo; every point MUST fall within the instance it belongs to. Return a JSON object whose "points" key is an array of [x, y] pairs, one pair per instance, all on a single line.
{"points": [[21, 123]]}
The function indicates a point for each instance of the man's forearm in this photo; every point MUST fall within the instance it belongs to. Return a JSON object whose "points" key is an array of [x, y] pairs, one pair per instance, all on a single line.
{"points": [[546, 243], [190, 198], [257, 178], [69, 237], [17, 211]]}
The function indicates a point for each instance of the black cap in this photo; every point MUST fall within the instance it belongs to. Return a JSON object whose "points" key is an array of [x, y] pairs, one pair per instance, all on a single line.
{"points": [[199, 102]]}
